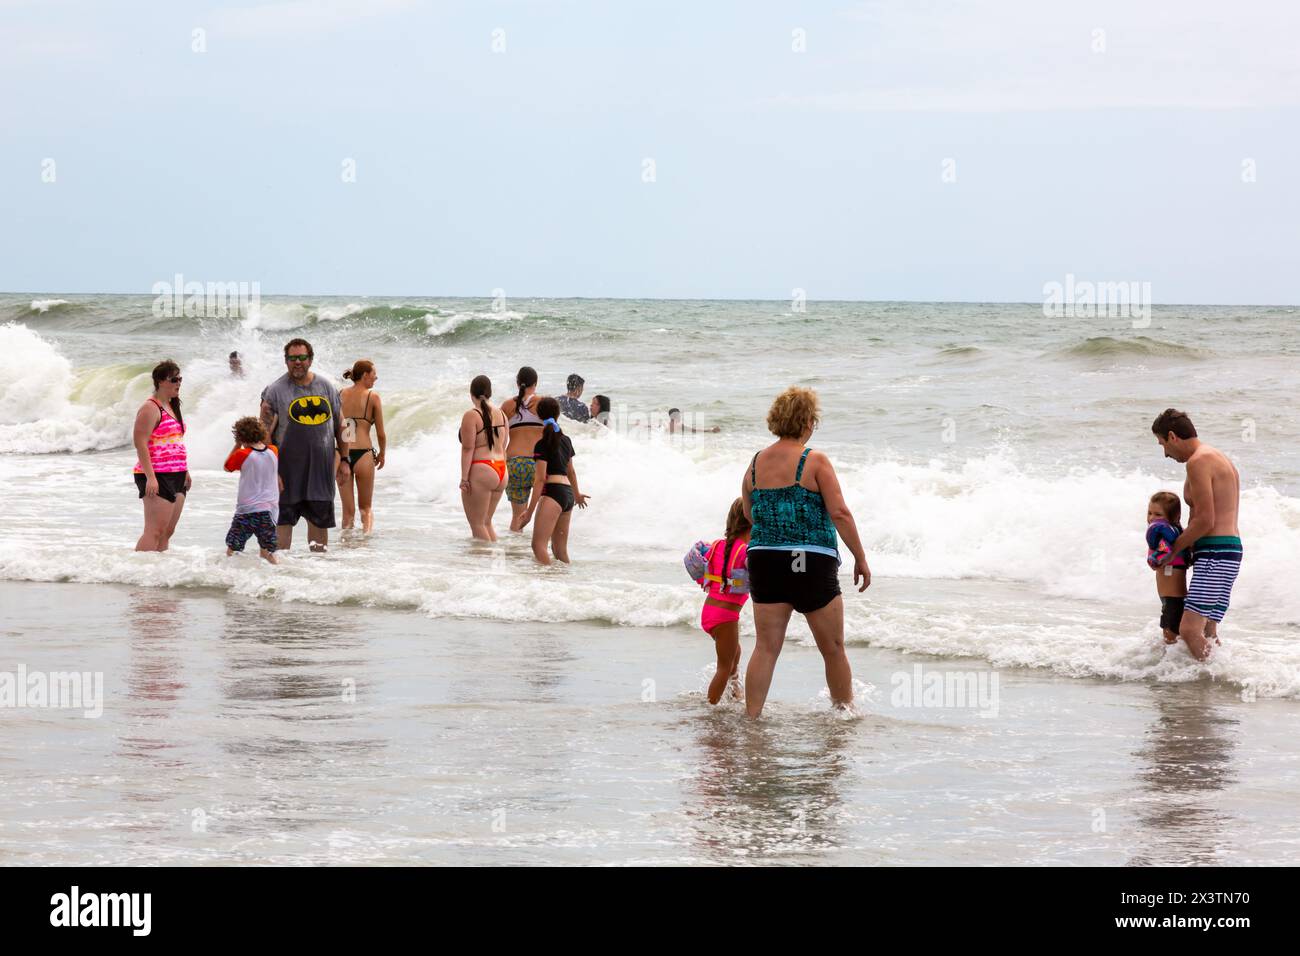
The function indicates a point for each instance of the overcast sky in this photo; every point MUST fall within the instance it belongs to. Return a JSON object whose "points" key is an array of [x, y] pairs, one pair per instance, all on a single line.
{"points": [[884, 150]]}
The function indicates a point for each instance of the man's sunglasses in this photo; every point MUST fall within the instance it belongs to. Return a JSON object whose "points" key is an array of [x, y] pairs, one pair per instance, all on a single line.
{"points": [[297, 358]]}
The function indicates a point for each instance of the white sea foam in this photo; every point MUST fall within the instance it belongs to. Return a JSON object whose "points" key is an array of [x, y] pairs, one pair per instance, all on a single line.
{"points": [[437, 326], [1093, 642], [551, 595], [46, 407], [506, 587], [276, 316], [34, 377], [44, 305], [334, 313], [1074, 533], [1077, 535]]}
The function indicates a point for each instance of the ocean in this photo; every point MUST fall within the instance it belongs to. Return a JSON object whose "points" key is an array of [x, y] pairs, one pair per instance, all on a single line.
{"points": [[997, 461]]}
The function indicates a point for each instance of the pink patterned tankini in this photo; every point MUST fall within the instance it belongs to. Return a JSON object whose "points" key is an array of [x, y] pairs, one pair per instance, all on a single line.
{"points": [[166, 444]]}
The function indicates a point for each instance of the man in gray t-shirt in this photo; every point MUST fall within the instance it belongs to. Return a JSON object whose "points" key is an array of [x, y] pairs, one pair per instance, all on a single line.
{"points": [[304, 416]]}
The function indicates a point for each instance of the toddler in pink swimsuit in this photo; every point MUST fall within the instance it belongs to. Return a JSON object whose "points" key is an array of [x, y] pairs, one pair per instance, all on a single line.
{"points": [[720, 617]]}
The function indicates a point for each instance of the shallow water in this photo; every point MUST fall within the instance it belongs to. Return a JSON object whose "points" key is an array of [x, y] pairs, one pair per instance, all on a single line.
{"points": [[970, 439], [504, 713], [228, 736]]}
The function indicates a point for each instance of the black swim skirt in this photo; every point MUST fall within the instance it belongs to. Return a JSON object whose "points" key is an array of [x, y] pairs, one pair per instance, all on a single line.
{"points": [[563, 495], [170, 484], [805, 579]]}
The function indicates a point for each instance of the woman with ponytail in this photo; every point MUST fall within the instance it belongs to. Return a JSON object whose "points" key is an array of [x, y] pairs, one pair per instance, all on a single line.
{"points": [[555, 489], [161, 475], [484, 435], [525, 429], [363, 429]]}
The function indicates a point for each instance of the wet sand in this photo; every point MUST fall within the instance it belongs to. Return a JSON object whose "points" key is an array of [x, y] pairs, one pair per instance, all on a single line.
{"points": [[244, 731]]}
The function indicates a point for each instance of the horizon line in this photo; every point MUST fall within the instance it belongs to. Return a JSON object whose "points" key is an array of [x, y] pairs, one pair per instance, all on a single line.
{"points": [[623, 298]]}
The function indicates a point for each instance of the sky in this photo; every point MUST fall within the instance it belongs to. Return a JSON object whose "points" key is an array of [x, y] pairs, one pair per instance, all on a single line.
{"points": [[911, 150]]}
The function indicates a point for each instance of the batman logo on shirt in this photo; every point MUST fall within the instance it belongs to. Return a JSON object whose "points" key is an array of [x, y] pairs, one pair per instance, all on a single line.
{"points": [[310, 410]]}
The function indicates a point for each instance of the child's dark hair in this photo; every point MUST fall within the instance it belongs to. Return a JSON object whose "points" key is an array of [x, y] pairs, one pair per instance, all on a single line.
{"points": [[250, 431], [737, 523], [548, 408], [1170, 504]]}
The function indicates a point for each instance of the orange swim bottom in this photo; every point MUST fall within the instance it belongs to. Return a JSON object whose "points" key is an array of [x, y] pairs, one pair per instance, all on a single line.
{"points": [[498, 466]]}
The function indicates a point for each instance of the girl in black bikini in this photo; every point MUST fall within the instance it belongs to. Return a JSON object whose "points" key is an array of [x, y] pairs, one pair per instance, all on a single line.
{"points": [[555, 489], [363, 411]]}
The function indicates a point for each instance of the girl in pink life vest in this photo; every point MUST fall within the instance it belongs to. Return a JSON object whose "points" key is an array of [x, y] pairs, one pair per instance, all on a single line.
{"points": [[1164, 517], [726, 583]]}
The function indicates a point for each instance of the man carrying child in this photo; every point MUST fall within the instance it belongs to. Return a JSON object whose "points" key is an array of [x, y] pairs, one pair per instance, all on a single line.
{"points": [[1212, 493]]}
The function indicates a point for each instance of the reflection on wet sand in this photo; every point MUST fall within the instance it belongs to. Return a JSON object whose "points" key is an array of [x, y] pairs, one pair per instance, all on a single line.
{"points": [[293, 655], [549, 665], [1187, 762], [229, 737], [768, 788], [154, 691], [531, 668], [156, 624], [153, 682], [294, 681]]}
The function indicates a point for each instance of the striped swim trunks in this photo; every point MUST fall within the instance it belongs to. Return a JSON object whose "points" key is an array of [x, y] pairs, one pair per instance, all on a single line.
{"points": [[1215, 563]]}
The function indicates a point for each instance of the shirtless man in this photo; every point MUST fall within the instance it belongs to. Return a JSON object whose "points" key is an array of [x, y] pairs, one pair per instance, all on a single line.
{"points": [[1212, 492]]}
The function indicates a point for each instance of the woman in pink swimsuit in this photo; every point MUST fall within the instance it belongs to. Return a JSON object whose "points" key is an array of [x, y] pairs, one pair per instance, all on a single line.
{"points": [[161, 475], [720, 617]]}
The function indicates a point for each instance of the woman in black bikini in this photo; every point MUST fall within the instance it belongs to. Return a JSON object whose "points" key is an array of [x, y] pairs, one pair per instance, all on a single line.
{"points": [[363, 411], [555, 490], [483, 438]]}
